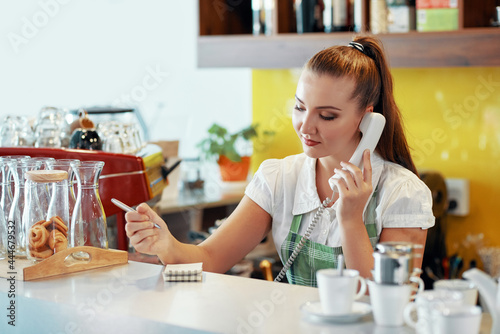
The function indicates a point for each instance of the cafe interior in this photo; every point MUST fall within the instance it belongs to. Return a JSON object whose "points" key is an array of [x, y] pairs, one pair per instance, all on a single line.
{"points": [[144, 86]]}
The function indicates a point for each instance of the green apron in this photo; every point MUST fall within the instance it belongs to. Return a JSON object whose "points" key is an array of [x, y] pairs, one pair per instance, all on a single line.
{"points": [[314, 256]]}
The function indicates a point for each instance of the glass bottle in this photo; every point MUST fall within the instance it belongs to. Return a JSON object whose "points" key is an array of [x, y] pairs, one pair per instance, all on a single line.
{"points": [[88, 223], [43, 189], [309, 16], [17, 169], [3, 220], [7, 192], [46, 233], [65, 164]]}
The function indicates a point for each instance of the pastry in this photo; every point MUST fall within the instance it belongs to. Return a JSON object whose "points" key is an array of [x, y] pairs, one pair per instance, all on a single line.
{"points": [[56, 223], [59, 223], [57, 241], [38, 237], [43, 253], [39, 222]]}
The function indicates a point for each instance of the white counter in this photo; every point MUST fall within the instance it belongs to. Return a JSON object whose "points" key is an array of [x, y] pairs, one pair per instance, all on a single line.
{"points": [[133, 298]]}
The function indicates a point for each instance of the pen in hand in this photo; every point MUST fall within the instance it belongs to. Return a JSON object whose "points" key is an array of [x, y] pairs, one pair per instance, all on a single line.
{"points": [[127, 208]]}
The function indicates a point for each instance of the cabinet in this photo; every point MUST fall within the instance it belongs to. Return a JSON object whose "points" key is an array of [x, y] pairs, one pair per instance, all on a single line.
{"points": [[225, 38]]}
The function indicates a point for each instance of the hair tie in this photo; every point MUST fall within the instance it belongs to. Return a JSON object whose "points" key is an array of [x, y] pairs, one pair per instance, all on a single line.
{"points": [[357, 46]]}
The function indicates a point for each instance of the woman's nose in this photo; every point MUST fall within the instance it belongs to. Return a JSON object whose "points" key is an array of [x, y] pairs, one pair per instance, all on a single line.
{"points": [[308, 125]]}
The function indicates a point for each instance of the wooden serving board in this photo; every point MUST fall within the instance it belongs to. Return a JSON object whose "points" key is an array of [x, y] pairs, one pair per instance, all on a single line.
{"points": [[70, 260]]}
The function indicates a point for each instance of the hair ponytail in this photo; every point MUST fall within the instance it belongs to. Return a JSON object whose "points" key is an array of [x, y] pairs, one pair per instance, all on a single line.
{"points": [[365, 61]]}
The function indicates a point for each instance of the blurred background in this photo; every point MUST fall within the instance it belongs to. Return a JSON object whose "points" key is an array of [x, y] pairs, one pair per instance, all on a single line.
{"points": [[168, 60], [74, 54]]}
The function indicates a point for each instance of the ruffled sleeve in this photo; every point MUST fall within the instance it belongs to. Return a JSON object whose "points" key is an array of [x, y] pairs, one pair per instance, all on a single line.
{"points": [[405, 200], [263, 187]]}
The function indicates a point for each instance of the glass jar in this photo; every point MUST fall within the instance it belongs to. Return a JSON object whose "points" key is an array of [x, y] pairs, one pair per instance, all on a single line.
{"points": [[43, 191], [7, 185], [88, 222], [46, 233], [18, 168], [3, 220], [65, 164]]}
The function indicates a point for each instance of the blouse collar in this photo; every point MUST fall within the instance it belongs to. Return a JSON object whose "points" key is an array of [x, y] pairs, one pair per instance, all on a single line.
{"points": [[306, 195]]}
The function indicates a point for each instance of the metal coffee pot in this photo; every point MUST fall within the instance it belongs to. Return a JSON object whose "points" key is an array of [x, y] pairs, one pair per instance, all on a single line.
{"points": [[394, 262]]}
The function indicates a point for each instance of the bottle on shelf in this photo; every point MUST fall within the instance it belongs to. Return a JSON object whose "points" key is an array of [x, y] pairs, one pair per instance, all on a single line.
{"points": [[338, 15], [263, 12], [309, 15], [357, 15], [378, 16]]}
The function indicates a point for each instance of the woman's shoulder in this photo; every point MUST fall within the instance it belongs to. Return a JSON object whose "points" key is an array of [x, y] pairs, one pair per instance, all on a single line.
{"points": [[396, 178], [291, 163], [272, 179], [404, 199]]}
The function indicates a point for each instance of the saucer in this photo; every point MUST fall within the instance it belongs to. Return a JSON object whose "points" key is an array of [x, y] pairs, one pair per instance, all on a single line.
{"points": [[359, 310]]}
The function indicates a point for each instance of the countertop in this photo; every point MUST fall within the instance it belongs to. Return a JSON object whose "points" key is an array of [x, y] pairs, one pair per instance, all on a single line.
{"points": [[133, 298]]}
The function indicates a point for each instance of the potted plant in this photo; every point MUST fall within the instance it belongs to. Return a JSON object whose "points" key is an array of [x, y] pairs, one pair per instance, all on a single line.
{"points": [[230, 150]]}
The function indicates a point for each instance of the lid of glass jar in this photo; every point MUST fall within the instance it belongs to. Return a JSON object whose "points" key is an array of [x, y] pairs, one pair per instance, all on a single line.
{"points": [[46, 176]]}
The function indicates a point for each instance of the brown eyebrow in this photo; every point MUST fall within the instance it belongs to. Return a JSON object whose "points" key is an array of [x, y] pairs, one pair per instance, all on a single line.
{"points": [[320, 107]]}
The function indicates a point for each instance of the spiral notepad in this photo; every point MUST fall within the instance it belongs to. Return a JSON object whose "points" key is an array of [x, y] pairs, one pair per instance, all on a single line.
{"points": [[188, 272]]}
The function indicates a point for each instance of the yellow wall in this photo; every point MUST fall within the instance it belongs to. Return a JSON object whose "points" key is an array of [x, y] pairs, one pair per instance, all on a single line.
{"points": [[452, 117]]}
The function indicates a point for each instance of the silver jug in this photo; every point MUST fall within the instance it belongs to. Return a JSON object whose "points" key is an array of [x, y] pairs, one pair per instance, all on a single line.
{"points": [[393, 262]]}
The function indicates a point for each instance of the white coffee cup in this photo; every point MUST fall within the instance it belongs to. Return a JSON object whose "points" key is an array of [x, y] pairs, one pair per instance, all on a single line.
{"points": [[466, 287], [389, 300], [424, 304], [337, 293], [456, 319]]}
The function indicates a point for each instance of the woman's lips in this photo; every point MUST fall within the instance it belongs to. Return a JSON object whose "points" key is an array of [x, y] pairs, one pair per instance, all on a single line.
{"points": [[309, 142]]}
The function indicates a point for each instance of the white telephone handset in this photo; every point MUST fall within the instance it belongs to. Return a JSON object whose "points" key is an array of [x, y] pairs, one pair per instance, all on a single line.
{"points": [[371, 126]]}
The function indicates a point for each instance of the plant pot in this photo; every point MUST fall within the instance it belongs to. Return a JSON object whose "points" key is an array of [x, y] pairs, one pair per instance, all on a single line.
{"points": [[234, 171]]}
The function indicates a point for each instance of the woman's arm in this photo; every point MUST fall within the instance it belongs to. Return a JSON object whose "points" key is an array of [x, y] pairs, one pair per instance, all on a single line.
{"points": [[414, 235], [236, 237], [358, 251], [354, 188]]}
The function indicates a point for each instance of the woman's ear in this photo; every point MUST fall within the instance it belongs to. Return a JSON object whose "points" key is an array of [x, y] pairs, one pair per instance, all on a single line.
{"points": [[367, 110]]}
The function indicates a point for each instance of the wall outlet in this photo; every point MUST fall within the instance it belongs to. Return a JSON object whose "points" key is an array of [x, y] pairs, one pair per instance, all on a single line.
{"points": [[458, 196]]}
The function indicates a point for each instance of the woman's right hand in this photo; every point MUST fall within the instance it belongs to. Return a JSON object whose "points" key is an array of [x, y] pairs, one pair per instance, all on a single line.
{"points": [[143, 236]]}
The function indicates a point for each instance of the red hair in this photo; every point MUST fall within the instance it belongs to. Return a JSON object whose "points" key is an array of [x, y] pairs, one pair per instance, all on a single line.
{"points": [[373, 87]]}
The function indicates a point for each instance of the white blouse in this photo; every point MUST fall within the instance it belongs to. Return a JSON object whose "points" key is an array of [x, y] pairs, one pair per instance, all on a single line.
{"points": [[287, 187]]}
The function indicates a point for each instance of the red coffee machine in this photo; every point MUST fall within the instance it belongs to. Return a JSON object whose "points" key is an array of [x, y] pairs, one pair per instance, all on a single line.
{"points": [[132, 179]]}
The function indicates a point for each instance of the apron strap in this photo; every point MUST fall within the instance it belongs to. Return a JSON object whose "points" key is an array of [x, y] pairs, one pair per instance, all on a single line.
{"points": [[296, 224], [314, 256], [370, 221]]}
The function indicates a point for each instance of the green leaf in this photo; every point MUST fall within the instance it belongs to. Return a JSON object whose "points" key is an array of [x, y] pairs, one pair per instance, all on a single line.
{"points": [[220, 142]]}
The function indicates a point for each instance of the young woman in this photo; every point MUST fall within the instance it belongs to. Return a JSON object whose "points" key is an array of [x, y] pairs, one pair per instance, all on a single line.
{"points": [[386, 201]]}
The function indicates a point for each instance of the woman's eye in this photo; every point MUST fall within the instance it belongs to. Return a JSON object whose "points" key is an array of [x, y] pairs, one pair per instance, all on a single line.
{"points": [[299, 108], [327, 118]]}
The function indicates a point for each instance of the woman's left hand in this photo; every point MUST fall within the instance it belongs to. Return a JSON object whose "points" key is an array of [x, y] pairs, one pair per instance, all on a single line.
{"points": [[354, 187]]}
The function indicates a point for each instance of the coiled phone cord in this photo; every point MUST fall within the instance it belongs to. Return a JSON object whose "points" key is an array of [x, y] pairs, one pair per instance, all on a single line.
{"points": [[304, 238]]}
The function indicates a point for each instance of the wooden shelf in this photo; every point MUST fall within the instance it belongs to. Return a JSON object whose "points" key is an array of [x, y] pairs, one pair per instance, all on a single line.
{"points": [[466, 47]]}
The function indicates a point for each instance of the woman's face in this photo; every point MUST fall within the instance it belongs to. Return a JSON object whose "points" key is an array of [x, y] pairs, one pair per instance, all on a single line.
{"points": [[325, 116]]}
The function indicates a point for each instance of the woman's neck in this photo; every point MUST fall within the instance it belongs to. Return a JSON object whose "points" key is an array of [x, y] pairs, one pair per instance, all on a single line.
{"points": [[324, 171]]}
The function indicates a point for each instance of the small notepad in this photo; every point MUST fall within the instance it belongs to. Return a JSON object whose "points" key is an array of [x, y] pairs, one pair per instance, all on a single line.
{"points": [[188, 272]]}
